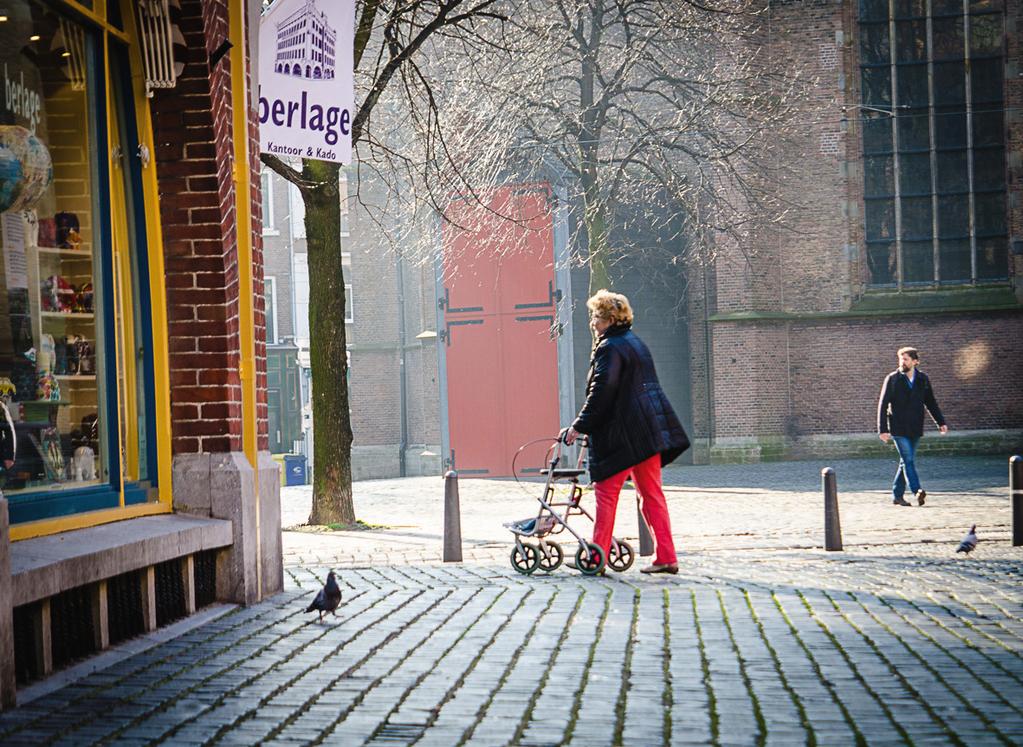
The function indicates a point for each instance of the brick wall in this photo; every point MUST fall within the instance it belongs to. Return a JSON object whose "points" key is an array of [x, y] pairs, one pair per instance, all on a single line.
{"points": [[813, 370], [802, 365], [373, 337], [973, 361], [374, 340], [192, 129]]}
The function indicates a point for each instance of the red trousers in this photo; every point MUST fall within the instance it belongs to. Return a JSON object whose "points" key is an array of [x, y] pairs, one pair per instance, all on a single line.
{"points": [[647, 477]]}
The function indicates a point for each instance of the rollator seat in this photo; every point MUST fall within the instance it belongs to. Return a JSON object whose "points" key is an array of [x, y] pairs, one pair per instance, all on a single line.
{"points": [[566, 472]]}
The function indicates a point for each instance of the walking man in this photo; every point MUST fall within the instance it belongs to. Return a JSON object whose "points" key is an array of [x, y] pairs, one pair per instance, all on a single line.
{"points": [[900, 418]]}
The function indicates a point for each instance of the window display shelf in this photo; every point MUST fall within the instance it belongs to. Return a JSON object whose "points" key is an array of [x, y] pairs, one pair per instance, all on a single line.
{"points": [[41, 410], [67, 315], [64, 253], [44, 486], [75, 377]]}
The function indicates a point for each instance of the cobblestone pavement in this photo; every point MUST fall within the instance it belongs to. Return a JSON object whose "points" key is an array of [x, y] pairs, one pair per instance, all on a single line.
{"points": [[719, 508], [758, 640]]}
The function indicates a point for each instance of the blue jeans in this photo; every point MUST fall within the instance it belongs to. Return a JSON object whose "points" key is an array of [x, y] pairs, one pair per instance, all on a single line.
{"points": [[906, 447]]}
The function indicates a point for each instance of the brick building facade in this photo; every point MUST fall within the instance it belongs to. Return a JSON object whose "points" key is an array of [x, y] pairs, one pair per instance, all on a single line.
{"points": [[163, 497], [801, 337], [782, 342]]}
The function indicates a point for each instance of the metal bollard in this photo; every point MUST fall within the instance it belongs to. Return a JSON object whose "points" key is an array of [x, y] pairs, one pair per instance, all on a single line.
{"points": [[832, 525], [452, 519], [1016, 493], [646, 540]]}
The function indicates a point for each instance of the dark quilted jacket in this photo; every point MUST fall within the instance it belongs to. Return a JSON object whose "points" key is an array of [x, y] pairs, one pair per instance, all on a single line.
{"points": [[900, 410], [626, 415]]}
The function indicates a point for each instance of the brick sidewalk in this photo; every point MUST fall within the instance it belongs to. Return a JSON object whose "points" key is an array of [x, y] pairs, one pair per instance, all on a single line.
{"points": [[758, 640]]}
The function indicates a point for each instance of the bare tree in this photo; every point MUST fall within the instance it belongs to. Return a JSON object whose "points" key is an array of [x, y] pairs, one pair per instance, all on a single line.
{"points": [[390, 40], [660, 105], [666, 106]]}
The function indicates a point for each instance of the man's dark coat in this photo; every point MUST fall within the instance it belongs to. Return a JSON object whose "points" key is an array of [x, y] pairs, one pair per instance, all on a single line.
{"points": [[900, 410], [626, 415]]}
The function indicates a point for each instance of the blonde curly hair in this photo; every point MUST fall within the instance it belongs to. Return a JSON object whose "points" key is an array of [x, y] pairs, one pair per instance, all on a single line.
{"points": [[613, 307]]}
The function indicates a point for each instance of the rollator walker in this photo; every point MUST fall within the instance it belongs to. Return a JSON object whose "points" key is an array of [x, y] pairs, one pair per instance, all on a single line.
{"points": [[546, 554]]}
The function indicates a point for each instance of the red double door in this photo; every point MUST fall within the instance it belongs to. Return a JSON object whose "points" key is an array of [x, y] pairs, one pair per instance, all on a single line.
{"points": [[500, 331]]}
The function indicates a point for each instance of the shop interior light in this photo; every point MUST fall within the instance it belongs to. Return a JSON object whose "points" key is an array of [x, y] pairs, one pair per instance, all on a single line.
{"points": [[34, 38], [3, 19]]}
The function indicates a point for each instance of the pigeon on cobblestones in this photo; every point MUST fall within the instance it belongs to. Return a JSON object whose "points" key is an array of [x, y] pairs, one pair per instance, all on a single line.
{"points": [[969, 541], [328, 599]]}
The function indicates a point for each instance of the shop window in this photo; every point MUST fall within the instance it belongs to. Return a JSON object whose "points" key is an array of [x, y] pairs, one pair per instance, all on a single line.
{"points": [[52, 343], [933, 122]]}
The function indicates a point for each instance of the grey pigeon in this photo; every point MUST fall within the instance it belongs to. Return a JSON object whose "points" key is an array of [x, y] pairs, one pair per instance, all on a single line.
{"points": [[328, 599], [969, 541]]}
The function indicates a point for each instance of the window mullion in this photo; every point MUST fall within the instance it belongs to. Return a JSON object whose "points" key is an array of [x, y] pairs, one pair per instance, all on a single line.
{"points": [[969, 142], [895, 142], [932, 134]]}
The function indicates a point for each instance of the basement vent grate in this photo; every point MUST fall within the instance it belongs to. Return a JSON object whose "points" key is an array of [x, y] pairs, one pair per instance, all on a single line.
{"points": [[27, 653], [72, 625], [124, 607], [170, 592], [205, 578]]}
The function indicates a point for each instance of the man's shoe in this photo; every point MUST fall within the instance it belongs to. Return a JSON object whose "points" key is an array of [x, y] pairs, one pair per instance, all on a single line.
{"points": [[900, 502], [921, 496], [660, 568]]}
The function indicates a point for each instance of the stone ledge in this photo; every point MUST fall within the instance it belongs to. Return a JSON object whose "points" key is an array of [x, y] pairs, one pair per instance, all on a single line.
{"points": [[750, 450], [45, 566], [916, 301]]}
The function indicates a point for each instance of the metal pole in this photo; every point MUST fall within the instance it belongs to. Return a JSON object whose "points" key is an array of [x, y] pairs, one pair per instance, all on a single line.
{"points": [[646, 540], [1016, 493], [452, 519], [832, 525]]}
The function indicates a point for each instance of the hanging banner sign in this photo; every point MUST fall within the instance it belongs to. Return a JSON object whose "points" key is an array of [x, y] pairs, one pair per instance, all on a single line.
{"points": [[306, 91]]}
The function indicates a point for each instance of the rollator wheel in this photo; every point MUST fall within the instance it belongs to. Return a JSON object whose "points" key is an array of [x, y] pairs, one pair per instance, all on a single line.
{"points": [[621, 557], [592, 564], [553, 559], [525, 559]]}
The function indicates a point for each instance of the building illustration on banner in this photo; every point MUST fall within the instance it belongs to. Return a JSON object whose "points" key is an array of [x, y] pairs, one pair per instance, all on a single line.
{"points": [[305, 44]]}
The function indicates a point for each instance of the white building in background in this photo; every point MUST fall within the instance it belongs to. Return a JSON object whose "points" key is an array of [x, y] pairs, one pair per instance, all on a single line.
{"points": [[305, 44]]}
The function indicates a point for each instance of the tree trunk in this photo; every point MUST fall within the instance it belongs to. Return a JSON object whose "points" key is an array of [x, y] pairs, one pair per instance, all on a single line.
{"points": [[332, 473], [595, 220], [594, 217], [596, 242]]}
